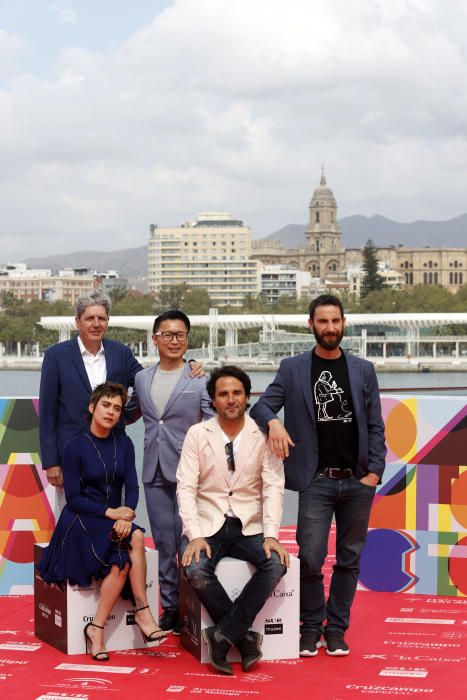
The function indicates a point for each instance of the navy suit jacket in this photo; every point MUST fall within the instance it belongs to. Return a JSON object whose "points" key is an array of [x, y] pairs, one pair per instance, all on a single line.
{"points": [[65, 391], [291, 390]]}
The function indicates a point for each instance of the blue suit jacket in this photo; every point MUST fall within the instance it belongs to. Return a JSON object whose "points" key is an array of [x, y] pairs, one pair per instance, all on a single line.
{"points": [[164, 434], [65, 391], [291, 390]]}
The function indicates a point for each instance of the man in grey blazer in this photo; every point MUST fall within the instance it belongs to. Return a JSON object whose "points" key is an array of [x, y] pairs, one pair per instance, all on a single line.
{"points": [[332, 442], [170, 401]]}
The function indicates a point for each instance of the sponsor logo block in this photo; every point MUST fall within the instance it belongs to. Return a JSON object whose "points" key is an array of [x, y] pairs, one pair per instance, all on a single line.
{"points": [[404, 672], [95, 669], [419, 621]]}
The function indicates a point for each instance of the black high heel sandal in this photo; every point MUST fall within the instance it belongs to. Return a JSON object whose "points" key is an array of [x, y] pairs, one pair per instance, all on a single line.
{"points": [[101, 655], [156, 636]]}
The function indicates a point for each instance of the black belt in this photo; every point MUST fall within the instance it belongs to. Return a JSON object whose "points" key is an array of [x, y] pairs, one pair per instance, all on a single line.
{"points": [[336, 472]]}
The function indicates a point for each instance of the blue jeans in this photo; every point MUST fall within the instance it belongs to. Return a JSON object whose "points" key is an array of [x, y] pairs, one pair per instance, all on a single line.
{"points": [[350, 501], [234, 619]]}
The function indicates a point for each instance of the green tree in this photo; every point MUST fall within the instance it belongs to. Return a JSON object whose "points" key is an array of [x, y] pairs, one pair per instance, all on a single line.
{"points": [[372, 280], [190, 300]]}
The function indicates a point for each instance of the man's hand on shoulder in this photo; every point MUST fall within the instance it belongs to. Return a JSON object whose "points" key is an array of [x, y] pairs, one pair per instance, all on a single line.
{"points": [[197, 369], [194, 549], [279, 439], [55, 476], [270, 544]]}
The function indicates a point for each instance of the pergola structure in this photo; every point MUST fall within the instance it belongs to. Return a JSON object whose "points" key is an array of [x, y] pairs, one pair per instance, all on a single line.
{"points": [[411, 323]]}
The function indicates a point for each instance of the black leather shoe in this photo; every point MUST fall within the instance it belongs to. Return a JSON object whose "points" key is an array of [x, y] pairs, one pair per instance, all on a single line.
{"points": [[218, 648], [177, 628], [168, 619], [250, 649]]}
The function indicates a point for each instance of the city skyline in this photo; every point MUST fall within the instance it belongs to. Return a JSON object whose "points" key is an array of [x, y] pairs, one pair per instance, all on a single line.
{"points": [[114, 117]]}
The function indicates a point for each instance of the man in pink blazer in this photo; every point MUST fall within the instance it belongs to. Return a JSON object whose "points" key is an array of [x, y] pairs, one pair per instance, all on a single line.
{"points": [[230, 490]]}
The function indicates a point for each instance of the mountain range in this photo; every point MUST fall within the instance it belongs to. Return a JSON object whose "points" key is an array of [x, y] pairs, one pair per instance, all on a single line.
{"points": [[356, 231]]}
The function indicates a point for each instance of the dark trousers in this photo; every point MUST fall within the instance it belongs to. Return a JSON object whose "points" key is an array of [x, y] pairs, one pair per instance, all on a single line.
{"points": [[350, 502], [166, 528], [234, 619]]}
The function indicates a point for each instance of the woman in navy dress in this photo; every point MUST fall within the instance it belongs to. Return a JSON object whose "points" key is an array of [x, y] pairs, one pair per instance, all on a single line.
{"points": [[95, 536]]}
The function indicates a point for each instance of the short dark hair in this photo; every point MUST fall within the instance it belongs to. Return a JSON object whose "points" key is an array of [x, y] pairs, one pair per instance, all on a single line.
{"points": [[227, 371], [109, 389], [171, 315], [325, 300]]}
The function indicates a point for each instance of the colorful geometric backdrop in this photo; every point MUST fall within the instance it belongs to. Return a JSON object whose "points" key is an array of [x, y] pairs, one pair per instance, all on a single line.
{"points": [[418, 540], [418, 536], [26, 499]]}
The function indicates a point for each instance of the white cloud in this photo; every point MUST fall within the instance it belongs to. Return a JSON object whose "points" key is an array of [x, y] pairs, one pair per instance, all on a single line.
{"points": [[219, 104], [63, 11]]}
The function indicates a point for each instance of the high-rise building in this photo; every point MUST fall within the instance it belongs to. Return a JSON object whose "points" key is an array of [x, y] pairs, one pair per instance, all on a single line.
{"points": [[212, 252]]}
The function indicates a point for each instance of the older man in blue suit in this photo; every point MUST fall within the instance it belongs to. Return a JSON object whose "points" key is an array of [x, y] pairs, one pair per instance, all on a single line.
{"points": [[170, 400], [333, 444], [70, 371]]}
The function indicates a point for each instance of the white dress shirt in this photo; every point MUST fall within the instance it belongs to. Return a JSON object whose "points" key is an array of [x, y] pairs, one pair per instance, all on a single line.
{"points": [[95, 366], [235, 445]]}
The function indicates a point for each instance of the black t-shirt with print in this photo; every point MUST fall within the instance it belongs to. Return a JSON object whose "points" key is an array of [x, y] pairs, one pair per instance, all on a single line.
{"points": [[335, 422]]}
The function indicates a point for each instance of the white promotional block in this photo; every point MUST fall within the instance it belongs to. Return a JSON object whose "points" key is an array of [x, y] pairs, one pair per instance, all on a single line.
{"points": [[60, 615], [278, 621]]}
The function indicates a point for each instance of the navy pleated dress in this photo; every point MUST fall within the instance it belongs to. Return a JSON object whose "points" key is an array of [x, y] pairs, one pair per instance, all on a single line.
{"points": [[95, 472]]}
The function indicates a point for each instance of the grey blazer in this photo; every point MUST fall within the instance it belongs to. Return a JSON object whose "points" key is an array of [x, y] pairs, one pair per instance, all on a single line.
{"points": [[164, 434]]}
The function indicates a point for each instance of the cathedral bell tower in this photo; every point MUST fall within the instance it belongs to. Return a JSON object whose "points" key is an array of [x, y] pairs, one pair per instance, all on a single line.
{"points": [[324, 238]]}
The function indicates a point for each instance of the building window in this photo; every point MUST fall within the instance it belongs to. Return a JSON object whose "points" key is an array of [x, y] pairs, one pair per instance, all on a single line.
{"points": [[317, 217]]}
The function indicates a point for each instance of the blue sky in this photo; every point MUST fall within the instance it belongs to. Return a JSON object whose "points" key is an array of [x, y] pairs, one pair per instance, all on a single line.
{"points": [[48, 26], [115, 115]]}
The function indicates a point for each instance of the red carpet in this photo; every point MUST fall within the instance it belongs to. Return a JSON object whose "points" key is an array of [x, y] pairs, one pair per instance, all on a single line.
{"points": [[401, 646]]}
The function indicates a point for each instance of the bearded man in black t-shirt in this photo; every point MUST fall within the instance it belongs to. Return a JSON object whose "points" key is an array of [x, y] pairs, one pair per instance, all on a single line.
{"points": [[332, 443]]}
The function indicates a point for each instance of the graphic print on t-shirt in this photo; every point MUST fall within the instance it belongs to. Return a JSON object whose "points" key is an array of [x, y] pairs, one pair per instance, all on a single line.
{"points": [[330, 399]]}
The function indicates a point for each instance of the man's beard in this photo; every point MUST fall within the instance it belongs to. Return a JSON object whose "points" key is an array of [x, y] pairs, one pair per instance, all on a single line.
{"points": [[328, 343]]}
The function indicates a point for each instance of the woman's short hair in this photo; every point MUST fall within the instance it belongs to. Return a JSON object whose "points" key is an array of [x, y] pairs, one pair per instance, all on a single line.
{"points": [[107, 389], [96, 298]]}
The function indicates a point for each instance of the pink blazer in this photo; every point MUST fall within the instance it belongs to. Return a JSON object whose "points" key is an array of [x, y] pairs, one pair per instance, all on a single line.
{"points": [[204, 490]]}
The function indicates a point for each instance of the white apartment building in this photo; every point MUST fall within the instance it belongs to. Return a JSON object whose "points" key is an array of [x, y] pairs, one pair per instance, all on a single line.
{"points": [[277, 280], [66, 285], [355, 276], [212, 252]]}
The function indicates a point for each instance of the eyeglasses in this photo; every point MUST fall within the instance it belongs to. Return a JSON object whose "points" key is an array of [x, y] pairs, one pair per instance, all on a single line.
{"points": [[229, 453], [168, 336], [123, 544]]}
